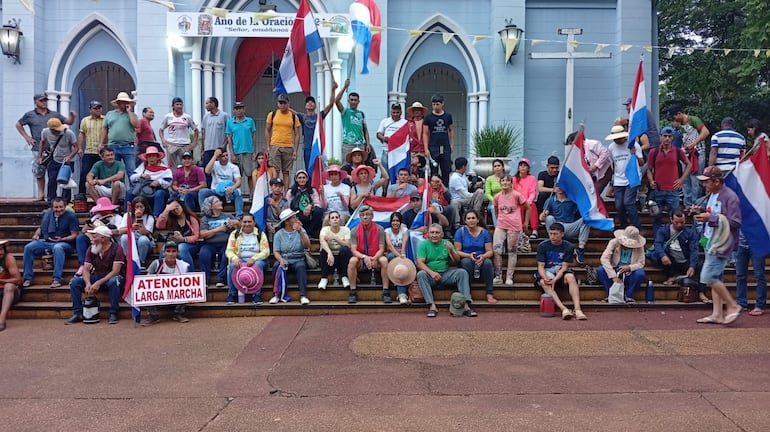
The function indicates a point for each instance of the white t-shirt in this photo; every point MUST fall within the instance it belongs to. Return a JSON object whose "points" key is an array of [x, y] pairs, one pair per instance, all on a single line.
{"points": [[177, 130], [396, 239], [249, 246], [458, 186], [333, 201], [224, 172], [620, 158]]}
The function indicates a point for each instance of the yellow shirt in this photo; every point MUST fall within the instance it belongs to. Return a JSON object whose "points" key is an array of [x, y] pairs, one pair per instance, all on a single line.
{"points": [[283, 132], [92, 128]]}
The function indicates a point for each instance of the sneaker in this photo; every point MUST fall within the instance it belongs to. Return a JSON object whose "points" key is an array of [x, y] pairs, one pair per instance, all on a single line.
{"points": [[386, 298], [220, 285], [566, 314], [533, 236], [345, 281], [353, 297], [304, 300], [257, 299], [580, 255], [403, 299], [180, 318], [630, 300], [497, 280], [150, 321], [322, 283], [580, 315], [285, 299], [113, 319], [229, 303], [509, 281], [273, 300]]}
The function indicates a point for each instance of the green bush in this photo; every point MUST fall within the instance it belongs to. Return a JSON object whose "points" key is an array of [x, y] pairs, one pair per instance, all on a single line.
{"points": [[496, 141]]}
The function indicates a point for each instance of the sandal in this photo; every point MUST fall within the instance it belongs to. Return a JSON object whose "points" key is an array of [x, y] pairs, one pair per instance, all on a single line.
{"points": [[470, 313], [55, 284], [432, 313], [757, 312], [707, 320], [491, 299], [671, 280], [731, 318]]}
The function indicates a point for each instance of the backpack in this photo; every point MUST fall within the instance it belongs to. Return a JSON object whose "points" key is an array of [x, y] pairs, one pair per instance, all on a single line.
{"points": [[680, 159], [293, 117]]}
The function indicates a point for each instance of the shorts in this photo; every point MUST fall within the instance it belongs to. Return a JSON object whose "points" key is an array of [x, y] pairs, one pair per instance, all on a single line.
{"points": [[713, 269], [37, 170], [281, 157], [105, 191], [246, 164], [559, 284]]}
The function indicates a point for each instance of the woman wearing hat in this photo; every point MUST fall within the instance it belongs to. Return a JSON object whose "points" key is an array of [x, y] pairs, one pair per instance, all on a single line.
{"points": [[143, 225], [474, 245], [623, 261], [335, 195], [63, 145], [151, 174], [526, 184], [216, 226], [103, 213], [414, 117], [183, 226], [10, 280], [304, 199], [248, 247], [363, 184], [289, 245], [335, 250]]}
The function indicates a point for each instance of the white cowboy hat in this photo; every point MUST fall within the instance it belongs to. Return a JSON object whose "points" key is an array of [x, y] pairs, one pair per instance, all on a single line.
{"points": [[630, 237], [616, 132], [123, 97]]}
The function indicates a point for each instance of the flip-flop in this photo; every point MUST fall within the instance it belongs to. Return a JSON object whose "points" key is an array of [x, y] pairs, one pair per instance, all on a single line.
{"points": [[729, 319], [55, 284], [707, 301], [757, 312], [707, 320]]}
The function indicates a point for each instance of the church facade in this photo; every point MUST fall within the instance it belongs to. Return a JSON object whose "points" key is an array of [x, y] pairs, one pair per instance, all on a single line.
{"points": [[76, 51]]}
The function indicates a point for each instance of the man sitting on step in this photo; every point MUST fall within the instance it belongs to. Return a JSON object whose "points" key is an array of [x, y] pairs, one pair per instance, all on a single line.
{"points": [[57, 233], [368, 250], [169, 264], [559, 208], [554, 257]]}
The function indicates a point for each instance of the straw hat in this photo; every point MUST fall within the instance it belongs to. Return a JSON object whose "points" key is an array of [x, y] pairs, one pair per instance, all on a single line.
{"points": [[248, 279], [349, 156], [103, 204], [358, 170], [630, 237], [416, 106], [151, 150], [123, 97], [401, 271], [616, 132]]}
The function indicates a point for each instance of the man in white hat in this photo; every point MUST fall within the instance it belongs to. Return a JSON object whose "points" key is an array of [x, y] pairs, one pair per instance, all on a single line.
{"points": [[103, 269], [625, 195], [119, 131], [103, 213], [414, 117], [10, 280]]}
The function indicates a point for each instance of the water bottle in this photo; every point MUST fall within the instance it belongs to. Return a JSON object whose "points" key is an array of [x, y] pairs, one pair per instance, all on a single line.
{"points": [[241, 297], [216, 262], [649, 294], [653, 206], [476, 272]]}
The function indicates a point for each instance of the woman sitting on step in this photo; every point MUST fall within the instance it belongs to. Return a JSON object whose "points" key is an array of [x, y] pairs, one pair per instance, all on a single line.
{"points": [[474, 245], [335, 250]]}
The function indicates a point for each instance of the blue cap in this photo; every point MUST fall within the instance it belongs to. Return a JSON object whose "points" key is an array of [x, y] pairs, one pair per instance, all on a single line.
{"points": [[176, 99], [667, 130]]}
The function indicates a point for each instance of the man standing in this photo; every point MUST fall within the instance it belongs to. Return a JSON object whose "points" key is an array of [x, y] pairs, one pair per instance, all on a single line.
{"points": [[355, 134], [727, 146], [10, 279], [119, 130], [169, 264], [57, 233], [106, 178], [309, 120], [721, 215], [650, 138], [241, 135], [625, 195], [213, 128], [388, 126], [103, 269], [439, 137], [282, 135], [89, 141], [180, 125], [434, 258], [546, 179], [37, 120], [665, 174], [145, 133], [368, 250], [694, 138], [225, 181], [553, 259], [459, 187], [63, 145]]}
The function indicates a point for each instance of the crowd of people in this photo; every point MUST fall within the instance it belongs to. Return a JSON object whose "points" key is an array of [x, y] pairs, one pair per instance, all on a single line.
{"points": [[169, 192]]}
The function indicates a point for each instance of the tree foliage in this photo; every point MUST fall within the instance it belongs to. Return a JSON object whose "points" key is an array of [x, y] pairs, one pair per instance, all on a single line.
{"points": [[701, 77]]}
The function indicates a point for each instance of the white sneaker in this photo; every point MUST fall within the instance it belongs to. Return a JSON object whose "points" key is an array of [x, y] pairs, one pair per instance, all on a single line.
{"points": [[509, 281], [273, 300], [345, 281], [497, 280], [322, 283], [304, 300], [403, 299]]}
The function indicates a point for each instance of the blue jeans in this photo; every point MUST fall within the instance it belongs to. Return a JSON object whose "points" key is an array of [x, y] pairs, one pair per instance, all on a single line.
{"points": [[114, 286], [625, 204], [691, 187], [453, 278], [86, 163], [37, 248], [667, 199], [205, 158], [158, 200], [143, 245], [190, 199], [237, 197], [306, 153], [232, 293], [299, 268], [207, 253], [53, 172], [742, 276], [486, 270], [633, 280], [127, 154]]}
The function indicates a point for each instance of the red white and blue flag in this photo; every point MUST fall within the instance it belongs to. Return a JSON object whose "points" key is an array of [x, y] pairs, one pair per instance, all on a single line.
{"points": [[259, 197], [637, 124], [382, 207], [365, 13], [751, 182], [317, 166], [133, 266], [398, 152], [294, 72], [575, 180]]}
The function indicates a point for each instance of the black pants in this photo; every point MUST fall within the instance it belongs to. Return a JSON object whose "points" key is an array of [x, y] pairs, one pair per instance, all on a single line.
{"points": [[53, 172], [444, 165], [340, 262]]}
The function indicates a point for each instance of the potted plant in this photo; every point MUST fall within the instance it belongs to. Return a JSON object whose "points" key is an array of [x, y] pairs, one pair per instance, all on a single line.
{"points": [[495, 142]]}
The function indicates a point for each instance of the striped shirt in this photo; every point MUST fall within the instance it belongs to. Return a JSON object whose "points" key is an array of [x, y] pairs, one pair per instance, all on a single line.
{"points": [[729, 144]]}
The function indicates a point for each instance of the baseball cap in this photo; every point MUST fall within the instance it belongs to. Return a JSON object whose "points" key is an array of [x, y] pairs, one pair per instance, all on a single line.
{"points": [[415, 195], [40, 96], [239, 104], [276, 181], [674, 110], [283, 97], [187, 154], [94, 104], [176, 99], [667, 130], [712, 172], [171, 244], [627, 102]]}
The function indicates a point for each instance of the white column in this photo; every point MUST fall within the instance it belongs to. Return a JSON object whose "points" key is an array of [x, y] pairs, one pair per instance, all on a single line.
{"points": [[53, 99], [195, 84], [483, 109], [64, 105], [328, 130], [473, 123], [320, 86], [219, 82], [402, 101], [336, 118], [208, 79], [393, 98]]}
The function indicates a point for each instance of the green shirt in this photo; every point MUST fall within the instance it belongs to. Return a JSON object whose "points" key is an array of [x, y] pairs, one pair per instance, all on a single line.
{"points": [[353, 122], [101, 170], [436, 256], [119, 128]]}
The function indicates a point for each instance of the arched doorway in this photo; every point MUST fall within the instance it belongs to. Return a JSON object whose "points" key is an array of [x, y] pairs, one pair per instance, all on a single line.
{"points": [[444, 79], [100, 81]]}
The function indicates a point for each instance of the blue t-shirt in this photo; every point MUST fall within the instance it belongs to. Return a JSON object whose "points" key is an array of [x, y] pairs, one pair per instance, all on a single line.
{"points": [[472, 244], [563, 211], [554, 255], [241, 132]]}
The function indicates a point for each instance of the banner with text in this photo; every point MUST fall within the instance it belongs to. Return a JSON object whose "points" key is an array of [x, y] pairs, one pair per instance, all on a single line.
{"points": [[251, 24], [163, 289]]}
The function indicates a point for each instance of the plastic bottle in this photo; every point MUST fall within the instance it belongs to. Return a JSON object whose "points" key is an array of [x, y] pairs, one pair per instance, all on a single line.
{"points": [[241, 297], [649, 294], [476, 272]]}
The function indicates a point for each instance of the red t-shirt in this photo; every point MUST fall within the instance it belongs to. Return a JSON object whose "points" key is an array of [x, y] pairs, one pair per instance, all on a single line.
{"points": [[665, 166], [103, 263]]}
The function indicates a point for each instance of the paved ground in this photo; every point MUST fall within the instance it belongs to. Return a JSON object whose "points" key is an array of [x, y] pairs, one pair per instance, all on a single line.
{"points": [[621, 370]]}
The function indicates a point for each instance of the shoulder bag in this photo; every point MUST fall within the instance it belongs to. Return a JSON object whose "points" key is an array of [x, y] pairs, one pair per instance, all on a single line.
{"points": [[47, 155]]}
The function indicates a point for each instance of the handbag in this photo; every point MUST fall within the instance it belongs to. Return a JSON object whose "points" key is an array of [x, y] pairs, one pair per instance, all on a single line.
{"points": [[415, 293], [591, 277], [143, 188], [617, 293], [688, 291], [46, 156], [522, 245], [310, 261]]}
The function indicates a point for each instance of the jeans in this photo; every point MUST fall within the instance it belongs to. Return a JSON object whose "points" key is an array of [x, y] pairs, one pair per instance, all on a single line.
{"points": [[190, 199], [453, 277], [340, 262], [625, 204], [633, 280], [158, 200], [37, 248], [82, 242], [299, 268], [691, 187], [114, 286], [572, 230], [207, 252], [486, 270], [127, 154], [53, 172], [205, 158], [143, 245], [444, 164], [306, 154], [237, 197], [742, 276], [667, 199], [232, 293]]}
